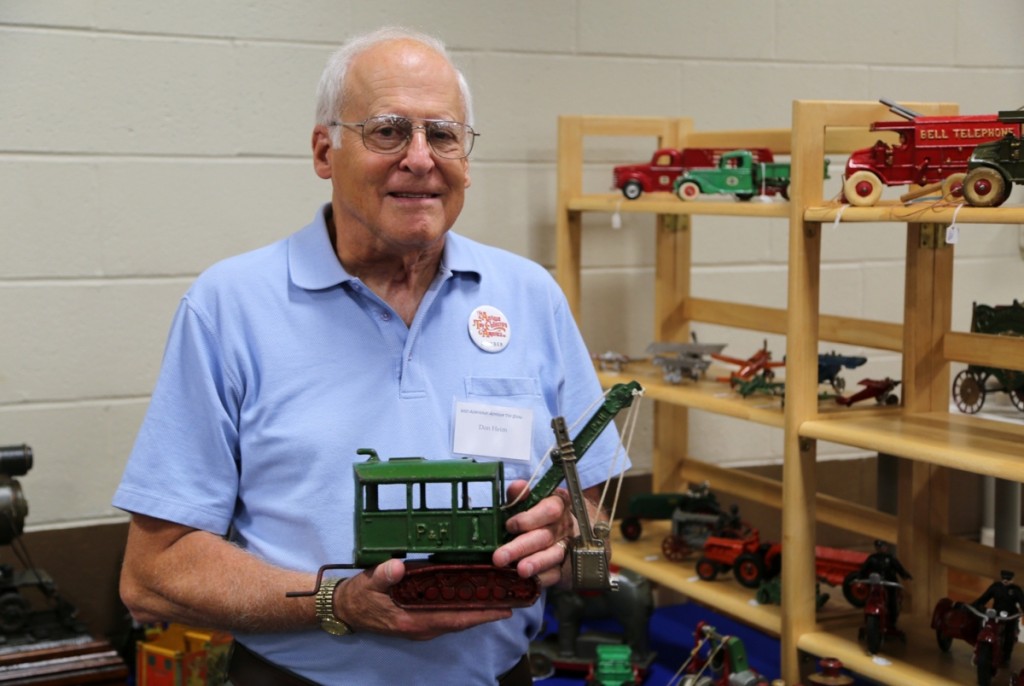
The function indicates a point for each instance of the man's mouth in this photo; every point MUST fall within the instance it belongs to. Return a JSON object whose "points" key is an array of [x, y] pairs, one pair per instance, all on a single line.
{"points": [[414, 196]]}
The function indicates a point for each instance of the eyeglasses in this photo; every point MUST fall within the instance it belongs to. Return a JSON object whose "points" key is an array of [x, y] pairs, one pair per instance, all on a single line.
{"points": [[389, 134]]}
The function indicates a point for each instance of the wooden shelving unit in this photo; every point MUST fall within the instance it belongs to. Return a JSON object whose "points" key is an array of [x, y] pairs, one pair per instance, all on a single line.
{"points": [[927, 439], [836, 626]]}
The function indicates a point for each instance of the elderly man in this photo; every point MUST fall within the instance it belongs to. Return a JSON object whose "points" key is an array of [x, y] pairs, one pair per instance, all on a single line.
{"points": [[361, 330]]}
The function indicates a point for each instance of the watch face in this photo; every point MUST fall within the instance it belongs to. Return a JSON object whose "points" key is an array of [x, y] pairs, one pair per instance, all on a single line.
{"points": [[335, 627], [325, 610]]}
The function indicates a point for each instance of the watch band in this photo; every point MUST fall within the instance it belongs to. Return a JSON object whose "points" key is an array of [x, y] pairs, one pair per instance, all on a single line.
{"points": [[329, 622]]}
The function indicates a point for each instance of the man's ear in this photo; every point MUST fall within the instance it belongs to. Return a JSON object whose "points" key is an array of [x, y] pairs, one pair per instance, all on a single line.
{"points": [[322, 147], [466, 169]]}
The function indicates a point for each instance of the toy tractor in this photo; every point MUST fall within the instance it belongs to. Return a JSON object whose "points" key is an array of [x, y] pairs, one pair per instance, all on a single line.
{"points": [[750, 560], [698, 500]]}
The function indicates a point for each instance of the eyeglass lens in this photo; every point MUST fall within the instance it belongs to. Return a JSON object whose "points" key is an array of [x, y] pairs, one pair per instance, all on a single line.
{"points": [[389, 134]]}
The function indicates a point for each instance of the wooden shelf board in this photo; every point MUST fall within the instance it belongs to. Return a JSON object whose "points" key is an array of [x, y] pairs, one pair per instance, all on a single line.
{"points": [[915, 662], [711, 396], [666, 203], [986, 350], [972, 444], [724, 594], [924, 212], [830, 510]]}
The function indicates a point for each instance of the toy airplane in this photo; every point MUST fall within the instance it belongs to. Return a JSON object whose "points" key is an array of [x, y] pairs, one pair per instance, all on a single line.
{"points": [[758, 363], [879, 389], [760, 383], [830, 364], [683, 359]]}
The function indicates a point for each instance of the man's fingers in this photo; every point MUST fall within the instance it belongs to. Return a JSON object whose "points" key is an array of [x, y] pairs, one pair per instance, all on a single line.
{"points": [[385, 575]]}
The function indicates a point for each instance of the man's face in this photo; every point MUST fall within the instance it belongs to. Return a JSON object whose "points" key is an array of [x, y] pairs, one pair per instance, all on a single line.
{"points": [[403, 202]]}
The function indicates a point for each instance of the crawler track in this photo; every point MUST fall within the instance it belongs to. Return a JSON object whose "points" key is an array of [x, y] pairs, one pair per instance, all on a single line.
{"points": [[429, 586]]}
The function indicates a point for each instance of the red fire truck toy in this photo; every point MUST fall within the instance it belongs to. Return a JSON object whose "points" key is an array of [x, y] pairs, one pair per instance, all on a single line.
{"points": [[931, 149], [667, 165]]}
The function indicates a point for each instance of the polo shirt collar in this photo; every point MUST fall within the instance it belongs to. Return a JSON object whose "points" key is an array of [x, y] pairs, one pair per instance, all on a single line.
{"points": [[460, 255], [313, 264]]}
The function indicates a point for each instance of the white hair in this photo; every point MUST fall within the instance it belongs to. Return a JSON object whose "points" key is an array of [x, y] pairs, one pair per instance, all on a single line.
{"points": [[330, 92]]}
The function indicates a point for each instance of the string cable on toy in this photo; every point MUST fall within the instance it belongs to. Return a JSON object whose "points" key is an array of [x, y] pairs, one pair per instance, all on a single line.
{"points": [[621, 451], [693, 655], [626, 437], [919, 208]]}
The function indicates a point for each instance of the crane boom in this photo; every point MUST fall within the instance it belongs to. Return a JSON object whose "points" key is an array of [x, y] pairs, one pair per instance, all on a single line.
{"points": [[619, 397]]}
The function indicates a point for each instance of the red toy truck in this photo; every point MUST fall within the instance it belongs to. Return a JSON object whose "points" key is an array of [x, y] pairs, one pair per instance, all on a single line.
{"points": [[931, 149], [667, 164]]}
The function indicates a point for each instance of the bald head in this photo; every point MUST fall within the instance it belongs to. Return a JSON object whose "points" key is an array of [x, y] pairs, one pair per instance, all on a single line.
{"points": [[335, 87]]}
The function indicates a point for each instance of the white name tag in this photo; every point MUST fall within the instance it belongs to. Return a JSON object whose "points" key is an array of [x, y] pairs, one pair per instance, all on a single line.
{"points": [[505, 433]]}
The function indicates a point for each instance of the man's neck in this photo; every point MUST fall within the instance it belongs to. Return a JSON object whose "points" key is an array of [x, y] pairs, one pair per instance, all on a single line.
{"points": [[399, 279], [401, 284]]}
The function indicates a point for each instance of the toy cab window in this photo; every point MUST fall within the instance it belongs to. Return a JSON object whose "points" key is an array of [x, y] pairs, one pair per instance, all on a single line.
{"points": [[432, 496], [662, 161]]}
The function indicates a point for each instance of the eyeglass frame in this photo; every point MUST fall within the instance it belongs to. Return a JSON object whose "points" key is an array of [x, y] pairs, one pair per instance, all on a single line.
{"points": [[470, 139]]}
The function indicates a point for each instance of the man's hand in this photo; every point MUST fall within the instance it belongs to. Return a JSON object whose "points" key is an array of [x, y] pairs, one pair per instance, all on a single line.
{"points": [[363, 602], [540, 546]]}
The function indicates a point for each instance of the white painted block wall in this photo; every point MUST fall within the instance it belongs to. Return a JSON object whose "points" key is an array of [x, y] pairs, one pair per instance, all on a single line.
{"points": [[140, 141]]}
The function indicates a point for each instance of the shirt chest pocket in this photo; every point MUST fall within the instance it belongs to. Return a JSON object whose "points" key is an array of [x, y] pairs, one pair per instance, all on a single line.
{"points": [[520, 393]]}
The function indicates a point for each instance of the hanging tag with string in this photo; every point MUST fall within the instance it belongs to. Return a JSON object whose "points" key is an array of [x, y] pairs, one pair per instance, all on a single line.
{"points": [[953, 231]]}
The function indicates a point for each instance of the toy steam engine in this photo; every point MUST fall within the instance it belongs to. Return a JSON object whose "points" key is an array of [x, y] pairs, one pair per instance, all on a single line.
{"points": [[971, 385], [19, 624]]}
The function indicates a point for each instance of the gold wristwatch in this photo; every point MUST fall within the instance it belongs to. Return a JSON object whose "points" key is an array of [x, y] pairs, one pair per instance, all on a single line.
{"points": [[329, 622]]}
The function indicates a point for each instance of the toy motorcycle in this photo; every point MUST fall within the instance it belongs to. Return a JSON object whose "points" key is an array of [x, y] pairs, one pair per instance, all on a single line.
{"points": [[982, 629], [878, 622]]}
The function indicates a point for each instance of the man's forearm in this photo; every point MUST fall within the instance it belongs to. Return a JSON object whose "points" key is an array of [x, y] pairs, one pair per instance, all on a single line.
{"points": [[194, 577]]}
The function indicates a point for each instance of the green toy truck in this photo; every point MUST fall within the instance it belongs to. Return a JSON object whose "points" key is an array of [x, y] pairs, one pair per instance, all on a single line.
{"points": [[736, 174]]}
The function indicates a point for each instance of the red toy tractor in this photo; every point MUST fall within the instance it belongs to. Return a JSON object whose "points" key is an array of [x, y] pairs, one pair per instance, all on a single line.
{"points": [[750, 560]]}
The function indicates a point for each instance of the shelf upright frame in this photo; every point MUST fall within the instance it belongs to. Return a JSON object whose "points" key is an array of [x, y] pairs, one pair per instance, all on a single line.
{"points": [[799, 473], [923, 489], [672, 262]]}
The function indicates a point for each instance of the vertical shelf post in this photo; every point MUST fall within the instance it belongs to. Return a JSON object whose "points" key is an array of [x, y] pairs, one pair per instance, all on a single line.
{"points": [[568, 224], [671, 289], [924, 498], [799, 469]]}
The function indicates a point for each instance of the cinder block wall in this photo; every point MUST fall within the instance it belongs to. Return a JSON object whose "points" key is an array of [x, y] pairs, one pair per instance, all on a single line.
{"points": [[140, 141]]}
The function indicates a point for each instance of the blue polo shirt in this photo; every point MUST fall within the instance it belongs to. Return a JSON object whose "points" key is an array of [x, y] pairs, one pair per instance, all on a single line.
{"points": [[280, 365]]}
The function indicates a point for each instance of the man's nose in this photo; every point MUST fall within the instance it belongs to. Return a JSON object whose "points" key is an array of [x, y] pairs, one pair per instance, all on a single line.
{"points": [[418, 154]]}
